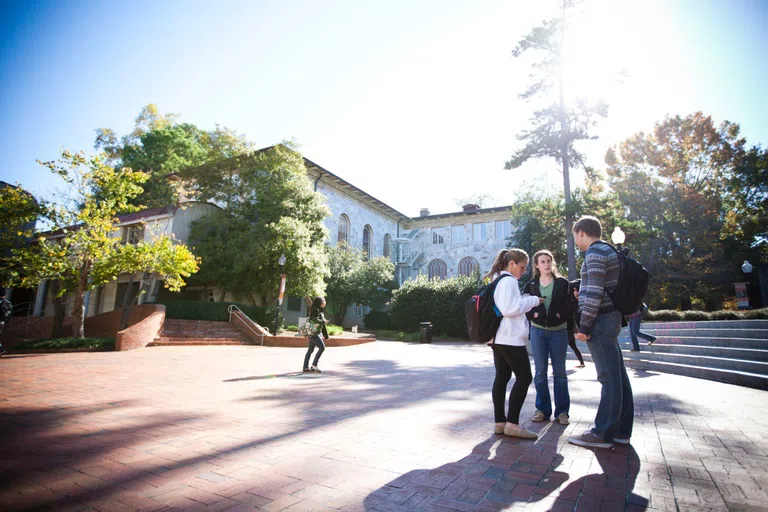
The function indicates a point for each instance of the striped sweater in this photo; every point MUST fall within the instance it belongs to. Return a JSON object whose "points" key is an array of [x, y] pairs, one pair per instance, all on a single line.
{"points": [[599, 272]]}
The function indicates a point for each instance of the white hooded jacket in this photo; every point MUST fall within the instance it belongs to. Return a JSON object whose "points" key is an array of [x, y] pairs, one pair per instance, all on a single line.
{"points": [[513, 307]]}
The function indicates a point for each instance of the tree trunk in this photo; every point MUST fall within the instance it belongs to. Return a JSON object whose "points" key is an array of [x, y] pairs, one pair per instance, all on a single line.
{"points": [[59, 310], [78, 311], [565, 134], [342, 312], [222, 295], [129, 297]]}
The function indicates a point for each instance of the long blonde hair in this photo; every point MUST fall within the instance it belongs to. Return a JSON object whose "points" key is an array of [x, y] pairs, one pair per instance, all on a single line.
{"points": [[544, 252], [502, 260]]}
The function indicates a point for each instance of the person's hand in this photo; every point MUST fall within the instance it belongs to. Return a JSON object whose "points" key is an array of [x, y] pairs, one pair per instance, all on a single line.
{"points": [[535, 315], [541, 300], [582, 337]]}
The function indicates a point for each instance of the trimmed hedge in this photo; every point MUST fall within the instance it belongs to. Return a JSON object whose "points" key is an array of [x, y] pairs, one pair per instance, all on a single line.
{"points": [[669, 315], [68, 343], [380, 320], [439, 301], [217, 311]]}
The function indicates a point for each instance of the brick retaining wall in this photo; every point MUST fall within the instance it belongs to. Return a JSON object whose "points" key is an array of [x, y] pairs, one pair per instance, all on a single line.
{"points": [[145, 330]]}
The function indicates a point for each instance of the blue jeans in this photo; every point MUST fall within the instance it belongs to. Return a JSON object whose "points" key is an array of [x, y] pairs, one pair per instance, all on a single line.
{"points": [[634, 331], [545, 345], [616, 411], [314, 341]]}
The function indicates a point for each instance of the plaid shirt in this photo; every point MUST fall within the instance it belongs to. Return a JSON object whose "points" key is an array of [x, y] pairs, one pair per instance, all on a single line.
{"points": [[599, 272]]}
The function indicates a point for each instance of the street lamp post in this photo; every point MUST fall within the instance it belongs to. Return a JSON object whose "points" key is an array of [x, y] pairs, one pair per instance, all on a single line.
{"points": [[747, 268], [281, 262], [618, 237]]}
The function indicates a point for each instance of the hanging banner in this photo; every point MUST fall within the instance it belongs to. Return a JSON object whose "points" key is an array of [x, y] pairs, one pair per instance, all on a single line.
{"points": [[282, 289], [742, 297]]}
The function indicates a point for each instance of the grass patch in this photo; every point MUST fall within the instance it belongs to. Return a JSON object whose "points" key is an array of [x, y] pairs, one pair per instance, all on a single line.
{"points": [[396, 335], [60, 343]]}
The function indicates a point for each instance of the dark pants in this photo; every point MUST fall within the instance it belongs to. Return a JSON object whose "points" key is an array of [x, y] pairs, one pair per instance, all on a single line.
{"points": [[634, 331], [509, 360], [616, 411], [314, 341], [572, 344]]}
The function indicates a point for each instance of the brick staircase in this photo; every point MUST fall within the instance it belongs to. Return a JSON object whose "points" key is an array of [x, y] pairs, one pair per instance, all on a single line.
{"points": [[733, 351], [198, 332]]}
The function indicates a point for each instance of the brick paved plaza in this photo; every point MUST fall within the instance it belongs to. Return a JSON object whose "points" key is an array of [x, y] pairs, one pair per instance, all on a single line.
{"points": [[388, 427]]}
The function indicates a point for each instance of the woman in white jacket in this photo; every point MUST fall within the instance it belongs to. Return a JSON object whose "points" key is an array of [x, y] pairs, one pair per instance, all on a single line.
{"points": [[509, 352]]}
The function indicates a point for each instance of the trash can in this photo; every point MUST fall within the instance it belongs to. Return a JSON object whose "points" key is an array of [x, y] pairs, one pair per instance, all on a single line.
{"points": [[425, 332]]}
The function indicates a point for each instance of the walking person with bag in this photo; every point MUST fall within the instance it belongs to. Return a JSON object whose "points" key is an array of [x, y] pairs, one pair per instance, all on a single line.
{"points": [[316, 333], [573, 324], [510, 355], [599, 326], [6, 310], [635, 320], [549, 336]]}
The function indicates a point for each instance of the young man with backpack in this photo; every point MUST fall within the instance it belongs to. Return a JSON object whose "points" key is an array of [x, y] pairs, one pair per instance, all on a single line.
{"points": [[6, 309], [599, 326]]}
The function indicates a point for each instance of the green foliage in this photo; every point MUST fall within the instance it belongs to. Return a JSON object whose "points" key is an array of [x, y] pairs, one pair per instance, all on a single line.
{"points": [[694, 189], [67, 343], [438, 301], [698, 316], [160, 146], [18, 213], [353, 279], [333, 329], [217, 311], [270, 208], [81, 252], [378, 320], [386, 334]]}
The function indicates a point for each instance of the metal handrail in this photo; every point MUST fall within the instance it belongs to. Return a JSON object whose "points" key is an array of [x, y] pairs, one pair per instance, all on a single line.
{"points": [[231, 308]]}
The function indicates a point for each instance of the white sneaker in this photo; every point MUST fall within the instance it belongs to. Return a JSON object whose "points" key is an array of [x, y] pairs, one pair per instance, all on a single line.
{"points": [[564, 419]]}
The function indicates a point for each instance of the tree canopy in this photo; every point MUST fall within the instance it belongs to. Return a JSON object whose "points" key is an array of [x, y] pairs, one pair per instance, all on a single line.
{"points": [[269, 208]]}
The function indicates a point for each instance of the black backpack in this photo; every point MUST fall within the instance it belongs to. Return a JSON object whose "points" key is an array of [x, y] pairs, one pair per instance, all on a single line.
{"points": [[483, 317], [628, 295]]}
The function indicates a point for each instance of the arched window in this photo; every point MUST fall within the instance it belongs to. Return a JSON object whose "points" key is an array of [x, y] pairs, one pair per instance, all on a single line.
{"points": [[343, 230], [387, 242], [468, 265], [367, 241], [437, 269]]}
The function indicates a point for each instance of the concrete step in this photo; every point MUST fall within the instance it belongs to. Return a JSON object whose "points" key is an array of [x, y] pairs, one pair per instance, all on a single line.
{"points": [[713, 351], [166, 342], [739, 378], [761, 334], [750, 343], [709, 324]]}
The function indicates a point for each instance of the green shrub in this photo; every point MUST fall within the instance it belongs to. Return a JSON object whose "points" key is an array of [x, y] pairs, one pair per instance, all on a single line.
{"points": [[439, 301], [333, 330], [92, 343], [668, 315], [388, 334], [217, 311], [378, 320]]}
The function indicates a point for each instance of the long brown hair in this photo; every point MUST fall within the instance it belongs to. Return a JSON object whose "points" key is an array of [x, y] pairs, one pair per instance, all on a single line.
{"points": [[544, 252], [502, 260]]}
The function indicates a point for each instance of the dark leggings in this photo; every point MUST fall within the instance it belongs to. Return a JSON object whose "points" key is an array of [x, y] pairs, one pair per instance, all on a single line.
{"points": [[314, 341], [509, 360], [572, 344]]}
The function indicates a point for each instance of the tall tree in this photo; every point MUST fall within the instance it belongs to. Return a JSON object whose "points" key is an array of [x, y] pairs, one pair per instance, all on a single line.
{"points": [[355, 280], [556, 127], [682, 182], [81, 252], [159, 145], [269, 208]]}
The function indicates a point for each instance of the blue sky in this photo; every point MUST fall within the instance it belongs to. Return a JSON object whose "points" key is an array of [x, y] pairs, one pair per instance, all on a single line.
{"points": [[413, 101]]}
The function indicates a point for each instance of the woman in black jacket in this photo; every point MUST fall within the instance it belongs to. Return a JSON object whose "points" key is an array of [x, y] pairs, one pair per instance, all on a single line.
{"points": [[549, 335], [317, 321]]}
